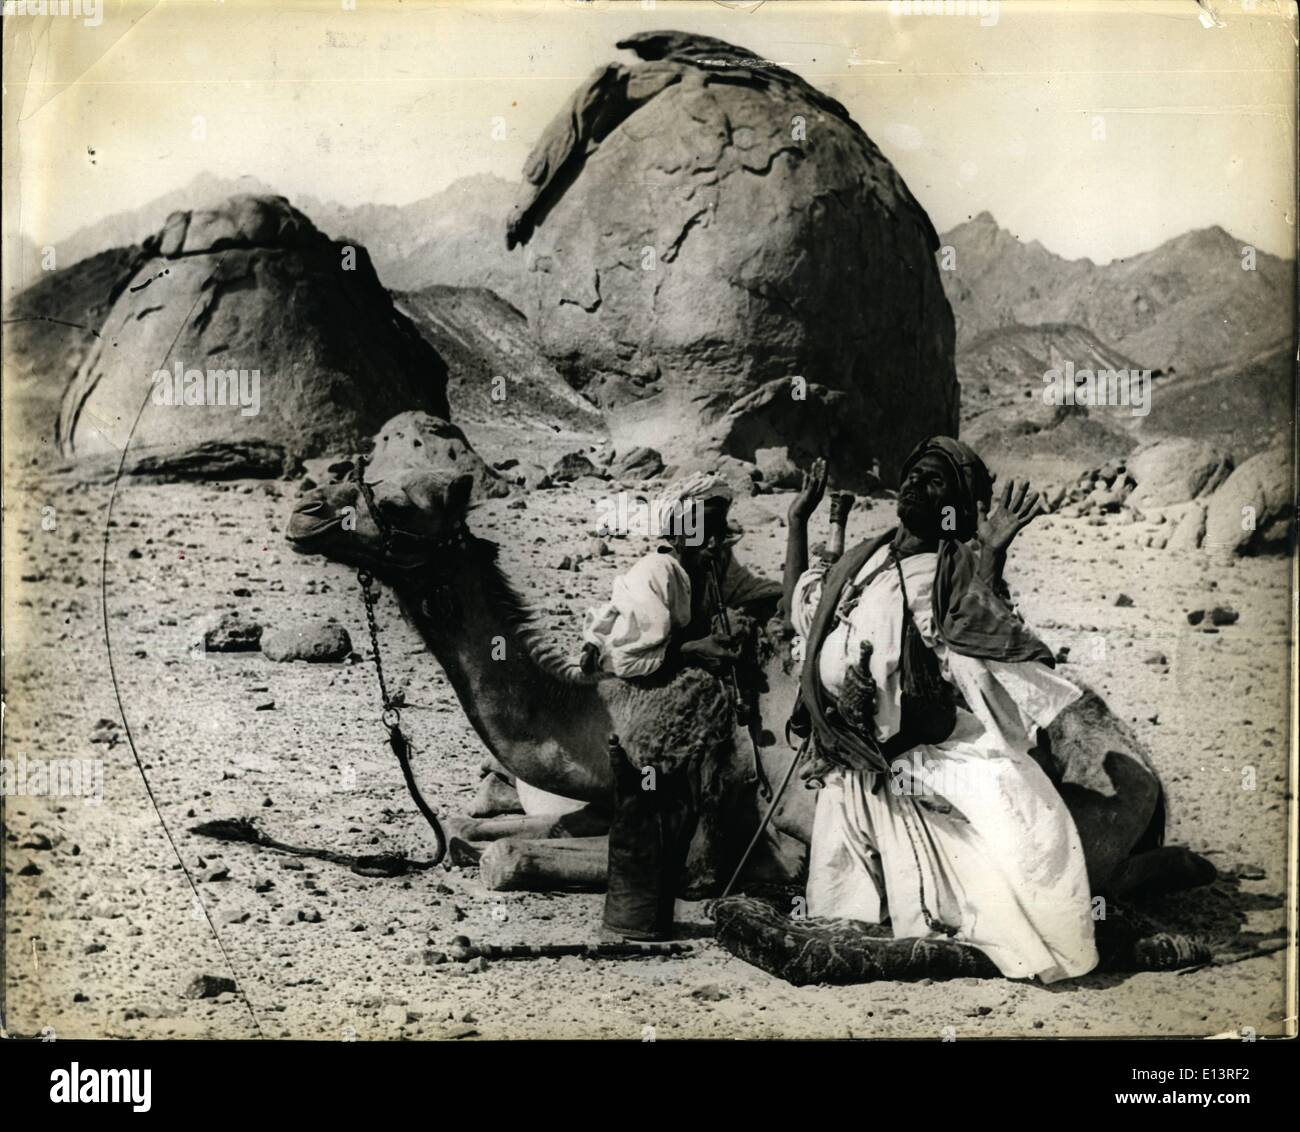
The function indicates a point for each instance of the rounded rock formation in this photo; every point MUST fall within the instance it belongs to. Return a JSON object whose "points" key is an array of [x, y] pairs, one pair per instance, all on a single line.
{"points": [[724, 262], [1174, 471], [1254, 512], [243, 323]]}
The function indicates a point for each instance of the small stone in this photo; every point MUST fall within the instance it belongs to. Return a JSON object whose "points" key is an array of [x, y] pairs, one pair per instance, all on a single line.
{"points": [[1223, 615], [232, 632], [208, 986], [638, 464], [1195, 616], [709, 992], [1123, 601], [460, 948], [318, 642], [309, 916], [570, 466]]}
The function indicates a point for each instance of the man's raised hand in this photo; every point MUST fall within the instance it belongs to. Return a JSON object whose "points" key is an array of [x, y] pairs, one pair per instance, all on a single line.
{"points": [[1014, 509], [810, 493]]}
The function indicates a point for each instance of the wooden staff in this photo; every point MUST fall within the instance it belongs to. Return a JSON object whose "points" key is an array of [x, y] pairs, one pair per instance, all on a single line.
{"points": [[462, 950], [841, 504]]}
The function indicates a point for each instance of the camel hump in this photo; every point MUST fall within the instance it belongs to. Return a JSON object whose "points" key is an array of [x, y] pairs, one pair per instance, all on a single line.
{"points": [[1085, 736]]}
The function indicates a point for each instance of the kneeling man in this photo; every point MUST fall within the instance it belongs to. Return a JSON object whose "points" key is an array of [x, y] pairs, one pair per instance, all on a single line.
{"points": [[925, 693]]}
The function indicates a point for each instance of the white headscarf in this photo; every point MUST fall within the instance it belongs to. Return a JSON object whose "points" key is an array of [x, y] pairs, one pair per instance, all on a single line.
{"points": [[697, 487]]}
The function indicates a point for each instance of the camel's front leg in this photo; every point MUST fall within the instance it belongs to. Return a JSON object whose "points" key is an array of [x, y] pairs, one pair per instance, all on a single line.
{"points": [[589, 821], [572, 864]]}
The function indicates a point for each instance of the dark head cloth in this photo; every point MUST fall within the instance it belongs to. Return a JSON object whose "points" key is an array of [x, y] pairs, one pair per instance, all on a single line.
{"points": [[974, 484], [972, 618]]}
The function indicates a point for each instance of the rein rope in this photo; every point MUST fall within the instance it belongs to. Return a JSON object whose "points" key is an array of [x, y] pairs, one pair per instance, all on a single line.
{"points": [[392, 715], [112, 666]]}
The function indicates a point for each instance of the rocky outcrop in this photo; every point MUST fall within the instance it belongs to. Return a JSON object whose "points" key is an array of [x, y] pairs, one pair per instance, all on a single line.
{"points": [[495, 372], [1174, 471], [242, 322], [50, 329], [1255, 510], [1180, 496], [716, 248]]}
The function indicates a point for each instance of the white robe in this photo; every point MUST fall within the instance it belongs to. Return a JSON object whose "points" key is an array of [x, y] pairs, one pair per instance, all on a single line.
{"points": [[647, 605], [1007, 868], [651, 602]]}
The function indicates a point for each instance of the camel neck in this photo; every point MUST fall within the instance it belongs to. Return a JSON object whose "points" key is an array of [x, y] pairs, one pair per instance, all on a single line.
{"points": [[516, 691]]}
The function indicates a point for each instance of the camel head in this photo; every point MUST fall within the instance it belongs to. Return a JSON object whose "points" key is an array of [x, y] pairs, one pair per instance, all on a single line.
{"points": [[407, 522]]}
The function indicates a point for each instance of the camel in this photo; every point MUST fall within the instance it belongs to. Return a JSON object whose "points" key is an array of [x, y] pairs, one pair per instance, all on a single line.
{"points": [[549, 724]]}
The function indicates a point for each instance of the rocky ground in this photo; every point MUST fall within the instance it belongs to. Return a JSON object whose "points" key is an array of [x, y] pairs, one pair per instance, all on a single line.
{"points": [[103, 934]]}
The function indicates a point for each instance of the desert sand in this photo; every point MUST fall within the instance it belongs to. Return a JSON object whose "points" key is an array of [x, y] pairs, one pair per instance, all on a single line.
{"points": [[103, 932]]}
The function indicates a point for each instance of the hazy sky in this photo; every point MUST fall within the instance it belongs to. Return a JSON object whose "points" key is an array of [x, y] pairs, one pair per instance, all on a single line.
{"points": [[1099, 128]]}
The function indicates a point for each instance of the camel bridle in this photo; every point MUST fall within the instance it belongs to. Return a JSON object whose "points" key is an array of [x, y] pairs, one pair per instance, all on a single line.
{"points": [[391, 715]]}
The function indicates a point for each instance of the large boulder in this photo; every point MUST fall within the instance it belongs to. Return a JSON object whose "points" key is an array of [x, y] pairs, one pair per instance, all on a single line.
{"points": [[1255, 510], [271, 331], [1174, 471], [718, 251]]}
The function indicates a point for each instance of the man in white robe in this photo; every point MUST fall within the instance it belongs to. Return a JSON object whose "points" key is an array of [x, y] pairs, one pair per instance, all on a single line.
{"points": [[662, 602], [964, 837]]}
